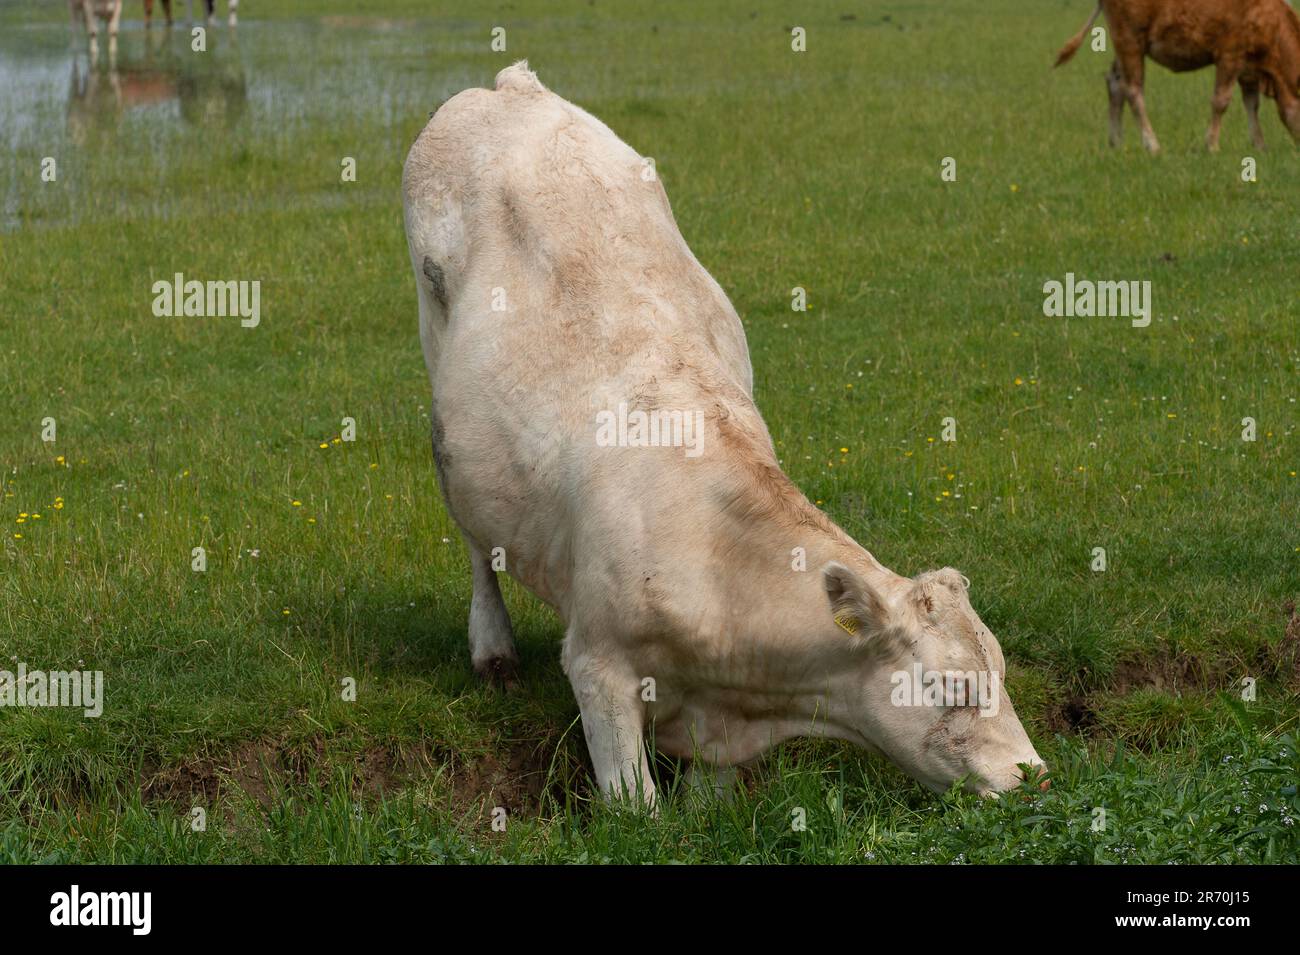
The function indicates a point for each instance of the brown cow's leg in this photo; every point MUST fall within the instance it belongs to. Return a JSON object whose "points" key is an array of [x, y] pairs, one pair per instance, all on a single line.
{"points": [[1115, 86], [1225, 75], [148, 12], [1288, 107], [1131, 65], [1250, 99]]}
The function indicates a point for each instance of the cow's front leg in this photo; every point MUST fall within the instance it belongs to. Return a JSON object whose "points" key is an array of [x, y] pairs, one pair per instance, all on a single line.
{"points": [[491, 638], [1250, 99], [613, 720], [1224, 77]]}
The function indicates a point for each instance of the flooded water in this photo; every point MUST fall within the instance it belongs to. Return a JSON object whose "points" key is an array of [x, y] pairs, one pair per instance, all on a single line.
{"points": [[307, 71], [157, 100], [269, 96]]}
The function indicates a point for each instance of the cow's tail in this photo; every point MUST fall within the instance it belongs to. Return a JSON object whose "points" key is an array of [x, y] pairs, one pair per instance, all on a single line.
{"points": [[520, 79], [1076, 41]]}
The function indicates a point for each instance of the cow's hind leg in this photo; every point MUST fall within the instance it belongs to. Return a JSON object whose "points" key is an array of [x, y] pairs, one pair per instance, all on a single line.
{"points": [[613, 721], [491, 638], [1115, 87], [1250, 99]]}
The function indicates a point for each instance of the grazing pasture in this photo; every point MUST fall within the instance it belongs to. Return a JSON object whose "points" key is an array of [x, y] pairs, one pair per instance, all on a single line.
{"points": [[332, 560]]}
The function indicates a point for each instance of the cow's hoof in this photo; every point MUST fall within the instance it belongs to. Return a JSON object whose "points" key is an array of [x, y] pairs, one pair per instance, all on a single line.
{"points": [[499, 672]]}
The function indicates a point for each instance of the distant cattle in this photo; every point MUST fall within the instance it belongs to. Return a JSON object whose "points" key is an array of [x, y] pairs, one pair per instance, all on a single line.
{"points": [[1254, 43], [148, 11], [595, 435], [211, 7], [88, 13]]}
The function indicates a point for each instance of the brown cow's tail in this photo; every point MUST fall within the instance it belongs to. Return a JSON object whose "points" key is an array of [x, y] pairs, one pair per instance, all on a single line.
{"points": [[1076, 41]]}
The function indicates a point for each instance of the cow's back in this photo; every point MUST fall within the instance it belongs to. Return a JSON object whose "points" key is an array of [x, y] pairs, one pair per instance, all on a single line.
{"points": [[515, 189], [554, 284]]}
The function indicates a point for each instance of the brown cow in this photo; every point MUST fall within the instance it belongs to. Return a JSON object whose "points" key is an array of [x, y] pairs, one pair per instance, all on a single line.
{"points": [[148, 11], [1255, 43]]}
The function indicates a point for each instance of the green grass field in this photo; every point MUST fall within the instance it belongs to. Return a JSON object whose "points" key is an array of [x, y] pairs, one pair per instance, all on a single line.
{"points": [[329, 560]]}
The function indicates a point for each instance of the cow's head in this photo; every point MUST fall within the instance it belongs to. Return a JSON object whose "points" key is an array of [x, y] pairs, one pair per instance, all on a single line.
{"points": [[931, 678]]}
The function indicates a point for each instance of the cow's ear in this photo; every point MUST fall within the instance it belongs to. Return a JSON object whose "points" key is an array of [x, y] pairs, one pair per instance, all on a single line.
{"points": [[854, 604]]}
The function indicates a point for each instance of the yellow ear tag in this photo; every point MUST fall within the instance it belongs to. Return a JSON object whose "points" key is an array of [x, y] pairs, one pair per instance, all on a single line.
{"points": [[848, 623]]}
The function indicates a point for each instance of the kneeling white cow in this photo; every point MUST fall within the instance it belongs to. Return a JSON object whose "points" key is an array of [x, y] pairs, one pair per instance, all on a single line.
{"points": [[593, 427]]}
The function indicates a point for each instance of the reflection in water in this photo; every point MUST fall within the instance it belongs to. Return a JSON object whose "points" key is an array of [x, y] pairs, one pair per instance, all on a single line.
{"points": [[89, 14], [209, 88], [160, 108]]}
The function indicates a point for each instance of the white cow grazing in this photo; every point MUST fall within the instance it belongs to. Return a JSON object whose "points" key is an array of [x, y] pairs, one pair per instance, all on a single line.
{"points": [[558, 301]]}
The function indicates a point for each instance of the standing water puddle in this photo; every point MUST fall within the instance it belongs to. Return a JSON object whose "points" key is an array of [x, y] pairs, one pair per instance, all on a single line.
{"points": [[159, 103]]}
